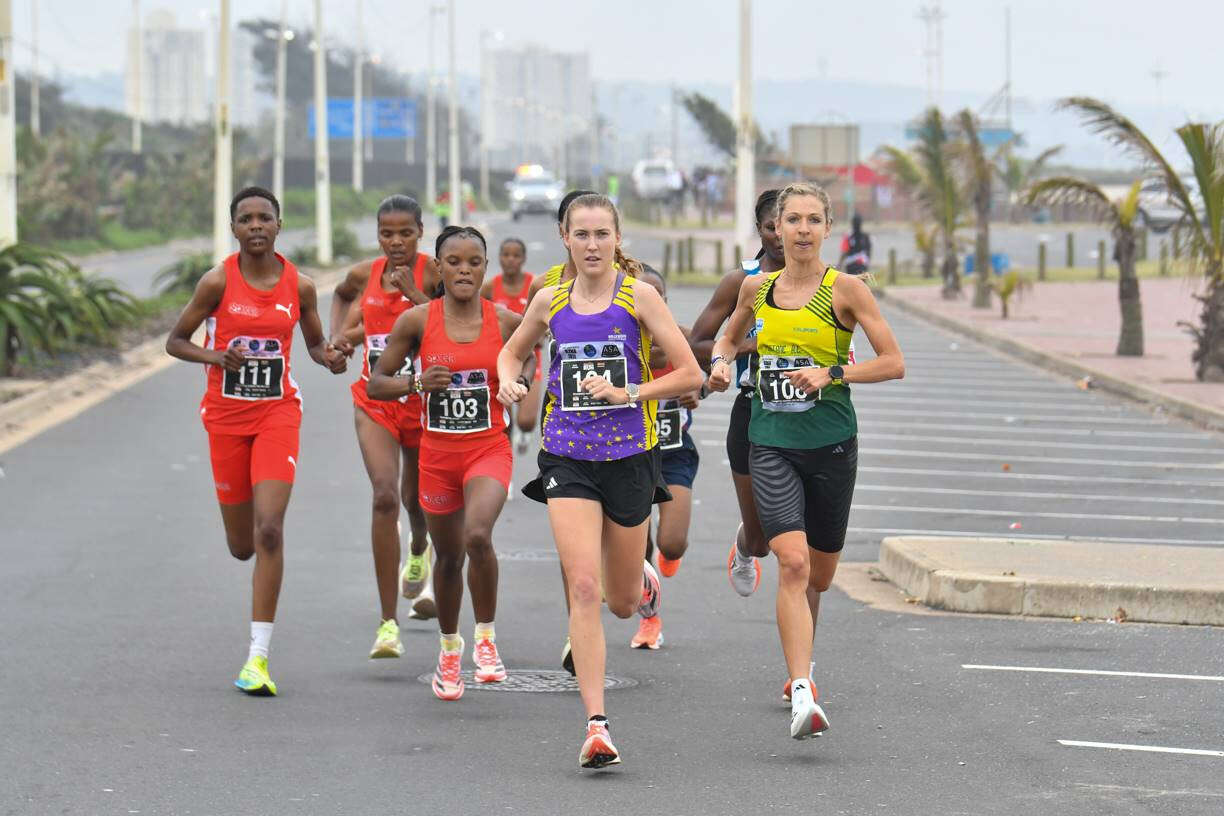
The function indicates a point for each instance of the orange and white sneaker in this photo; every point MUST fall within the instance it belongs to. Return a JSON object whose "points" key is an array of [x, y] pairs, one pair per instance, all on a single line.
{"points": [[489, 668], [807, 717], [448, 678], [668, 566], [786, 690], [649, 634], [648, 606], [598, 750]]}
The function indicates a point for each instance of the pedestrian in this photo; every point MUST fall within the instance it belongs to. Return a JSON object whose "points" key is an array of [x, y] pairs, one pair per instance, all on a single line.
{"points": [[855, 249], [512, 289], [251, 408], [803, 453], [367, 301], [466, 460], [599, 463]]}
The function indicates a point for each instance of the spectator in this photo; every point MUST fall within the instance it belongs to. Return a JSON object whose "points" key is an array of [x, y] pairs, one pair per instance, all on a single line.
{"points": [[855, 249]]}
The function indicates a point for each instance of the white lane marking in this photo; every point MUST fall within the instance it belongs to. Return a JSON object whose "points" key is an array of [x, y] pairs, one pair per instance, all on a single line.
{"points": [[1043, 670], [955, 491], [1037, 477], [1061, 419], [1027, 536], [1045, 460], [1018, 425], [971, 511], [1035, 443], [902, 399], [1151, 792], [712, 442], [1155, 749]]}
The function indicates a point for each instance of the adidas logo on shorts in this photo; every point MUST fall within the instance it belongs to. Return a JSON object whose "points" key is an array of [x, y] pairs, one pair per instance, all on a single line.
{"points": [[552, 482], [839, 449]]}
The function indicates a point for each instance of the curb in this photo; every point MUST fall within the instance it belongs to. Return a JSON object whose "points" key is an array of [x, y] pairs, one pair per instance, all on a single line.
{"points": [[1197, 412], [940, 587]]}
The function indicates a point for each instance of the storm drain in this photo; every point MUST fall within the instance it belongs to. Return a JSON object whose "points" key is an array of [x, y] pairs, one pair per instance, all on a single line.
{"points": [[535, 680]]}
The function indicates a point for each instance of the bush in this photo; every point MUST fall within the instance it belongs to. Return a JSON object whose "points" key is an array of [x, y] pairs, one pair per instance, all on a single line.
{"points": [[183, 274]]}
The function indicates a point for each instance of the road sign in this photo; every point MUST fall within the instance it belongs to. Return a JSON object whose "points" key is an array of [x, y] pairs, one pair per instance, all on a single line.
{"points": [[385, 118]]}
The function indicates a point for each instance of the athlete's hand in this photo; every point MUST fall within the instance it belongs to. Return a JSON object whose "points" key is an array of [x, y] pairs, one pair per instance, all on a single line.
{"points": [[436, 378], [690, 400], [509, 393], [401, 279], [810, 379], [599, 388], [231, 359], [334, 359], [720, 376], [341, 344]]}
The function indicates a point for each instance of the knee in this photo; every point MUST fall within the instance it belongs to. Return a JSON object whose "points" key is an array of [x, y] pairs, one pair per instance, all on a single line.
{"points": [[820, 583], [623, 607], [793, 567], [478, 543], [385, 502], [241, 548], [268, 535], [584, 590], [447, 561], [673, 546]]}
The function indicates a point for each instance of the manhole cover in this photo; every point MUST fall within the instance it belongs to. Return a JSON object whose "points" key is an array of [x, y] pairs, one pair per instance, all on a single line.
{"points": [[535, 680]]}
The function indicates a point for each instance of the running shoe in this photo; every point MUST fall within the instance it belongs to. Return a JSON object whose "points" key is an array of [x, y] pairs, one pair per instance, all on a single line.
{"points": [[667, 566], [648, 607], [448, 677], [807, 717], [489, 668], [254, 679], [744, 573], [786, 690], [598, 750], [649, 634], [424, 607], [415, 575], [387, 642], [567, 658]]}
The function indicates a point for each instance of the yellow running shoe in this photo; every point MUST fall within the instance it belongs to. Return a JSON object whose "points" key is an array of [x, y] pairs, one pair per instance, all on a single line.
{"points": [[387, 643], [415, 574], [254, 679]]}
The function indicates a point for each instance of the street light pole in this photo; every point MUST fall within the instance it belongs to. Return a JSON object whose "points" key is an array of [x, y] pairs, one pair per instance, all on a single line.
{"points": [[8, 130], [431, 120], [322, 159], [484, 118], [358, 106], [35, 101], [745, 157], [137, 69], [278, 149], [456, 187], [223, 169]]}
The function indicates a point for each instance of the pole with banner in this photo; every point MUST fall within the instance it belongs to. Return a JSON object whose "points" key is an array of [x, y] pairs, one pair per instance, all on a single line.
{"points": [[323, 231], [745, 153], [223, 168]]}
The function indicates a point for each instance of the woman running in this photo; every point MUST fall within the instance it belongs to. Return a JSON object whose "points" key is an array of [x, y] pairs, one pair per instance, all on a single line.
{"points": [[679, 467], [512, 289], [803, 433], [743, 569], [465, 454], [251, 408], [599, 466], [388, 432]]}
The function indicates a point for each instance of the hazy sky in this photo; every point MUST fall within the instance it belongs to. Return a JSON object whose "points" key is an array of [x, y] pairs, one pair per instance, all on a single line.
{"points": [[1107, 48]]}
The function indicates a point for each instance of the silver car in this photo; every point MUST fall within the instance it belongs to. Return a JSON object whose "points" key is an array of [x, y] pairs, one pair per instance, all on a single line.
{"points": [[534, 194]]}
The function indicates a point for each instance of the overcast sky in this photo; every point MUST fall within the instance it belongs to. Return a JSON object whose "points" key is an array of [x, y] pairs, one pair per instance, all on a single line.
{"points": [[1101, 47]]}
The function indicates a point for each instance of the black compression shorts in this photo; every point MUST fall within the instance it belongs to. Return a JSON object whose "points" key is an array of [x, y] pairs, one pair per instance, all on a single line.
{"points": [[805, 490]]}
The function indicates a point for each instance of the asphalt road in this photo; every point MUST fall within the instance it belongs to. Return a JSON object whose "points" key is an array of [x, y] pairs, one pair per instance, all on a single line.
{"points": [[123, 621]]}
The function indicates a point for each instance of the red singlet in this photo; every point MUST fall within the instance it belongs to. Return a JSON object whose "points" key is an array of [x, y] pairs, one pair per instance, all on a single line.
{"points": [[515, 303]]}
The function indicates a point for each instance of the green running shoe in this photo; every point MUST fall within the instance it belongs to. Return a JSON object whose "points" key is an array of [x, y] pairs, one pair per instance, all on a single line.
{"points": [[387, 643], [415, 574], [254, 679]]}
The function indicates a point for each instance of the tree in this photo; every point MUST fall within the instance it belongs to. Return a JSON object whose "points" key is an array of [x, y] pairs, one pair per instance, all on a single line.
{"points": [[1122, 217], [979, 171], [927, 173], [1202, 221], [719, 127], [1018, 174]]}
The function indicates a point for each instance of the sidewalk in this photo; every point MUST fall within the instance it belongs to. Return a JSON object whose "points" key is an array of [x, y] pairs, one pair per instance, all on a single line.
{"points": [[1123, 582], [1072, 328]]}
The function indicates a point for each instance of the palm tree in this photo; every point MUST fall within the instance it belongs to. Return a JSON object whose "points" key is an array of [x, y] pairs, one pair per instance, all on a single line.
{"points": [[979, 173], [927, 173], [1019, 174], [1122, 217], [1202, 221]]}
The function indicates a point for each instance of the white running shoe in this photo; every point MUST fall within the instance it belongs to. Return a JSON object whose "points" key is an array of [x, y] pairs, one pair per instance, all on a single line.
{"points": [[744, 573], [424, 607], [786, 691], [807, 717], [648, 607]]}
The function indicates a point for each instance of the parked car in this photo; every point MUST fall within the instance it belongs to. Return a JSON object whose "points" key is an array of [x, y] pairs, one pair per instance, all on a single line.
{"points": [[654, 179]]}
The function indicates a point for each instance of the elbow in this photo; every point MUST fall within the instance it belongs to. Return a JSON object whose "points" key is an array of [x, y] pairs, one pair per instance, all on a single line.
{"points": [[899, 369], [374, 389]]}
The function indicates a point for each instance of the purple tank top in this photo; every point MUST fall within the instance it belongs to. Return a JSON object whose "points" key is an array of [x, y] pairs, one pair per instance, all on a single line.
{"points": [[608, 344]]}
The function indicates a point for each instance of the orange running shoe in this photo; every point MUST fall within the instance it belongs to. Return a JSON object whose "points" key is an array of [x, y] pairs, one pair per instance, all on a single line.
{"points": [[598, 750], [489, 668], [448, 678], [649, 634], [667, 566]]}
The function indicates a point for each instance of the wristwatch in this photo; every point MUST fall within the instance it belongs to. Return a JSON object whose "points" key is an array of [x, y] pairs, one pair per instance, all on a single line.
{"points": [[836, 373], [631, 393], [522, 380]]}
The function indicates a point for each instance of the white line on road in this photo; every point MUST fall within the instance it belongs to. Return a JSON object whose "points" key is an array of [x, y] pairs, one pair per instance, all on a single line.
{"points": [[1037, 477], [1031, 443], [1061, 419], [958, 402], [1043, 670], [916, 531], [1018, 426], [1016, 494], [1045, 460], [972, 511], [1156, 749]]}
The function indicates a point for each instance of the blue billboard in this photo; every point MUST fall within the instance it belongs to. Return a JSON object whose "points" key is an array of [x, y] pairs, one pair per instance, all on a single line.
{"points": [[385, 118]]}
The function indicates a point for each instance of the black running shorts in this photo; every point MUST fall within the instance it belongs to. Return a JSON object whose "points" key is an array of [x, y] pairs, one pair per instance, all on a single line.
{"points": [[625, 488], [805, 490], [737, 432]]}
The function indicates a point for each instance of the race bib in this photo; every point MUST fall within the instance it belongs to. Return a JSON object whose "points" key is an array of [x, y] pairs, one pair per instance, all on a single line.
{"points": [[777, 392], [262, 372], [376, 344], [604, 358], [669, 427], [463, 407]]}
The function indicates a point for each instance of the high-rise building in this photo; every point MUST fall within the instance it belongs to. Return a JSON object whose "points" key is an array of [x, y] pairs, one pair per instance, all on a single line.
{"points": [[537, 108], [172, 82]]}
